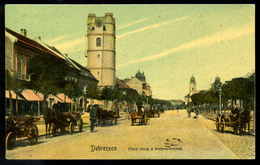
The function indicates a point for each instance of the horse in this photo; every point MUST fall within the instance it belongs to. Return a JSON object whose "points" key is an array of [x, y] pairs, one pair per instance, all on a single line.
{"points": [[244, 119], [112, 115], [234, 117], [49, 118]]}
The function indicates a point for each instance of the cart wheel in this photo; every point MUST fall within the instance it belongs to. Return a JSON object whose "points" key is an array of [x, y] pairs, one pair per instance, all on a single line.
{"points": [[145, 119], [223, 126], [33, 134], [71, 128], [53, 129], [80, 125], [10, 141]]}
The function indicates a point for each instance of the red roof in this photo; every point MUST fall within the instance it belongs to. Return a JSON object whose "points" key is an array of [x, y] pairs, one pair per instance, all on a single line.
{"points": [[121, 84], [30, 43]]}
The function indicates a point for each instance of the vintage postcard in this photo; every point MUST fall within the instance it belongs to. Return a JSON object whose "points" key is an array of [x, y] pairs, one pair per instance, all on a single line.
{"points": [[130, 81]]}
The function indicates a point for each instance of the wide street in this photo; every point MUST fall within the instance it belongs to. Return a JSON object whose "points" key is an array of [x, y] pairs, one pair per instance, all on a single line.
{"points": [[171, 136]]}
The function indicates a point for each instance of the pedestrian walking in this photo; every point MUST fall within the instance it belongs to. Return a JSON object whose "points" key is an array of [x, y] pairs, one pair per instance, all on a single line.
{"points": [[197, 113], [189, 112], [92, 113]]}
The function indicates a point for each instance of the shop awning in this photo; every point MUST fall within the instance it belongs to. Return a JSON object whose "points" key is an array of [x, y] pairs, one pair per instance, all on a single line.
{"points": [[7, 95], [29, 95], [62, 95], [54, 98]]}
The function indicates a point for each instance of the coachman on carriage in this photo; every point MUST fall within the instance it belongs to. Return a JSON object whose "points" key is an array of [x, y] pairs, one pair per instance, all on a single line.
{"points": [[142, 117], [238, 120]]}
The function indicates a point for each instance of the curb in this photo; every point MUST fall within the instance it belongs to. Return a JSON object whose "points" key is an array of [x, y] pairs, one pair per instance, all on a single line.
{"points": [[207, 117]]}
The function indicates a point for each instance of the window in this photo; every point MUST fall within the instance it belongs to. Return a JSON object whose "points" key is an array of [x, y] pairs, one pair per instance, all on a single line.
{"points": [[104, 27], [93, 28], [98, 56], [26, 68], [19, 67], [98, 42], [98, 72]]}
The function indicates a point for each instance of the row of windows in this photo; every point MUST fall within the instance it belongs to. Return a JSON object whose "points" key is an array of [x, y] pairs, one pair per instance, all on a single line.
{"points": [[104, 28]]}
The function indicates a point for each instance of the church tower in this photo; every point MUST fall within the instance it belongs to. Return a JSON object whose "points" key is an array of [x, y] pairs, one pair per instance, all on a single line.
{"points": [[192, 87], [101, 48]]}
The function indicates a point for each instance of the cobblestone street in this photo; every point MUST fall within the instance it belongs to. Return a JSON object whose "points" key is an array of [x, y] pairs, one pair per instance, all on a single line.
{"points": [[172, 136]]}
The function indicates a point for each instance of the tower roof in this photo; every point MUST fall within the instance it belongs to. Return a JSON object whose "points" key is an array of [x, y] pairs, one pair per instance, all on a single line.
{"points": [[192, 79], [140, 76], [217, 79]]}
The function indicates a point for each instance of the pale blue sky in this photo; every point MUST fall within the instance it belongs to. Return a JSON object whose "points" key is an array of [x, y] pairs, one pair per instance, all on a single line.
{"points": [[168, 43]]}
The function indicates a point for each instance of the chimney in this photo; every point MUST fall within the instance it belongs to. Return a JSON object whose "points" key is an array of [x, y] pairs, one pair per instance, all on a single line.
{"points": [[24, 32]]}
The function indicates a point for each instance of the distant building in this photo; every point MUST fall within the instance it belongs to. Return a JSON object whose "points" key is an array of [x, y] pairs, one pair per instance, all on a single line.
{"points": [[139, 84], [192, 90], [176, 103], [101, 48]]}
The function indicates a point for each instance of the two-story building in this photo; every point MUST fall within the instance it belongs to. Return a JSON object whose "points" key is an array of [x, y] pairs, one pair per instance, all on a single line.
{"points": [[19, 49]]}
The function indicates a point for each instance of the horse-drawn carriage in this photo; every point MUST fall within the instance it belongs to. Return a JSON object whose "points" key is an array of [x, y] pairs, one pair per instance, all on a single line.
{"points": [[235, 119], [142, 117], [59, 121], [21, 126], [106, 117]]}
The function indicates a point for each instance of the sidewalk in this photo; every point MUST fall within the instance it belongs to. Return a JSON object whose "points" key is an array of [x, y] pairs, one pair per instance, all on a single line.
{"points": [[85, 117]]}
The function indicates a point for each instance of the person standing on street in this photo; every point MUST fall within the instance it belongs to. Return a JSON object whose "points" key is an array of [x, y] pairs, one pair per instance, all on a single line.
{"points": [[92, 114], [189, 112], [139, 106]]}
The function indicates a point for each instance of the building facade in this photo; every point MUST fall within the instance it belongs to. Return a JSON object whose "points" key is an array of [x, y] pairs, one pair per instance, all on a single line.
{"points": [[19, 49], [139, 84], [101, 48]]}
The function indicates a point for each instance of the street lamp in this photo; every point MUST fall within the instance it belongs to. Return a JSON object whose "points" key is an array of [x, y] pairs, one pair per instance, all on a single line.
{"points": [[220, 91], [85, 97]]}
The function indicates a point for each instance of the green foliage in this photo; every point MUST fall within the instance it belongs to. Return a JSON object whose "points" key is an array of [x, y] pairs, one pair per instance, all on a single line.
{"points": [[109, 93], [12, 83], [131, 95], [47, 74], [92, 92], [72, 90]]}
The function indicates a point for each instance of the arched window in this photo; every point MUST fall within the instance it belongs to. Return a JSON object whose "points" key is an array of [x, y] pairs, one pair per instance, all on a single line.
{"points": [[98, 42]]}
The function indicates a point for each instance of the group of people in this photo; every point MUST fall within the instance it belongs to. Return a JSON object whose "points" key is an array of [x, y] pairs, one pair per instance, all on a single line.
{"points": [[196, 112]]}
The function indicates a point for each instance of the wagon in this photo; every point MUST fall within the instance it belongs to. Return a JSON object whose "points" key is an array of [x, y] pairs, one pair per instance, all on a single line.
{"points": [[237, 121], [223, 121], [143, 118], [67, 119], [21, 126]]}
